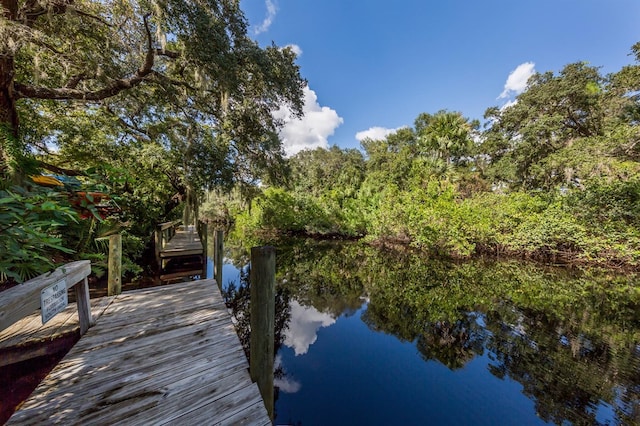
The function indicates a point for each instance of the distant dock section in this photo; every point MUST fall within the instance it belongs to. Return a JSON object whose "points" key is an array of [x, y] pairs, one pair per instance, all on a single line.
{"points": [[185, 242], [181, 246]]}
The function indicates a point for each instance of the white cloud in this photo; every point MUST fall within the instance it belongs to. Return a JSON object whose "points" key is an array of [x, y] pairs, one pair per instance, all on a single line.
{"points": [[295, 48], [517, 80], [376, 133], [508, 104], [312, 130], [268, 20], [303, 327]]}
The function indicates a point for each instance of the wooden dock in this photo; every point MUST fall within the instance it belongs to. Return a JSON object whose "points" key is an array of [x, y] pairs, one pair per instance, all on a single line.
{"points": [[166, 355], [180, 253], [29, 338], [185, 242]]}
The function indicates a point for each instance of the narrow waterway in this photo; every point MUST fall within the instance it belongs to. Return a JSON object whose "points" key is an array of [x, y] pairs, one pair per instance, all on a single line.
{"points": [[375, 338]]}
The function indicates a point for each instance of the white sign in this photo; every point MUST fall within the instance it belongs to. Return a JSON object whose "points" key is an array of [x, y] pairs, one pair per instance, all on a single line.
{"points": [[53, 300]]}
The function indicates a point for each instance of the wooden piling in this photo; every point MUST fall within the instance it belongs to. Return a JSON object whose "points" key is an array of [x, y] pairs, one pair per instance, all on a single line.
{"points": [[263, 280], [85, 318], [114, 284], [218, 258], [211, 248], [203, 233], [158, 245]]}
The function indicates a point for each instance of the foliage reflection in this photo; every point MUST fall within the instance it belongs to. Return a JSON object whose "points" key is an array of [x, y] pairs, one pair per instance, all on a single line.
{"points": [[570, 338]]}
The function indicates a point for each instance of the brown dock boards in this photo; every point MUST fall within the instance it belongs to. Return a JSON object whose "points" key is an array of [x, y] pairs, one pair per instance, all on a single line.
{"points": [[183, 243], [167, 355], [29, 338]]}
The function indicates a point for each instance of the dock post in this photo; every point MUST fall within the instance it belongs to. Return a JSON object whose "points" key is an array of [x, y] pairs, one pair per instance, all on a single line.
{"points": [[114, 284], [263, 280], [158, 244], [84, 305], [218, 257], [203, 232]]}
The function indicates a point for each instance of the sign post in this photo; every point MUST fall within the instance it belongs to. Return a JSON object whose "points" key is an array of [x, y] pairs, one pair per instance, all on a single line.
{"points": [[53, 300]]}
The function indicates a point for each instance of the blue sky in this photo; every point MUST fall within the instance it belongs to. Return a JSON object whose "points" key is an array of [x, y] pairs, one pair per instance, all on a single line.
{"points": [[373, 66]]}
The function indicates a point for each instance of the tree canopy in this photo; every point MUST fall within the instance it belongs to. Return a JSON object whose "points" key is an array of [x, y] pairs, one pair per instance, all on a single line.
{"points": [[151, 102], [182, 75], [564, 128]]}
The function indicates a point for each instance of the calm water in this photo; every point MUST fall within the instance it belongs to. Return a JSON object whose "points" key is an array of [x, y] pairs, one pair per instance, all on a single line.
{"points": [[380, 339]]}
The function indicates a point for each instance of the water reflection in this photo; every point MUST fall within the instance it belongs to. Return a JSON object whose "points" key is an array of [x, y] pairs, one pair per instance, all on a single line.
{"points": [[285, 383], [303, 325], [567, 340]]}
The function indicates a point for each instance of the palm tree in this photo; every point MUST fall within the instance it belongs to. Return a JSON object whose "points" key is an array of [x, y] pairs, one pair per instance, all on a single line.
{"points": [[447, 136]]}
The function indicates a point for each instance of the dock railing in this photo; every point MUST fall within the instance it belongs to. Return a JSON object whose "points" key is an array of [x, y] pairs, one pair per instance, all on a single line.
{"points": [[164, 232], [23, 299]]}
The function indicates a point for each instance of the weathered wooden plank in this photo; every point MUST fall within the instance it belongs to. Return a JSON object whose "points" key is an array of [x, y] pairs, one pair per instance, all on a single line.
{"points": [[20, 301], [28, 337], [172, 340], [180, 252], [139, 379], [121, 349], [18, 354], [89, 375], [149, 335], [182, 241], [170, 378], [168, 291], [242, 398], [32, 324], [252, 415], [178, 362], [185, 395], [118, 326], [171, 326], [124, 314]]}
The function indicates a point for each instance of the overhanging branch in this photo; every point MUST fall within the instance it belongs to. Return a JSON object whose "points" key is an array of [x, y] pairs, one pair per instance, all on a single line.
{"points": [[168, 53], [112, 89], [60, 170]]}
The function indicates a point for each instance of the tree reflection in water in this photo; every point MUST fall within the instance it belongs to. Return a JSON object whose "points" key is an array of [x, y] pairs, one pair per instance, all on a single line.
{"points": [[570, 338], [237, 297]]}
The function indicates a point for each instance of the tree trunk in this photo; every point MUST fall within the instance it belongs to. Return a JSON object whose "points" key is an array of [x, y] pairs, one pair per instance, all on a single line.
{"points": [[8, 113]]}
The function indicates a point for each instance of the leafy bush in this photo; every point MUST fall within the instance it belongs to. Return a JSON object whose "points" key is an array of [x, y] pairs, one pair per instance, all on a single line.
{"points": [[30, 224], [280, 210], [608, 201]]}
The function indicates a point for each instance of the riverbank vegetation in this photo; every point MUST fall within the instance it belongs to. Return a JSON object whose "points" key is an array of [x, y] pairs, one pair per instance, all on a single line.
{"points": [[554, 176]]}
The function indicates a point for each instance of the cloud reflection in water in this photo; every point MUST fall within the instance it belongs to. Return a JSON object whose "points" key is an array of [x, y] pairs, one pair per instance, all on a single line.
{"points": [[303, 327]]}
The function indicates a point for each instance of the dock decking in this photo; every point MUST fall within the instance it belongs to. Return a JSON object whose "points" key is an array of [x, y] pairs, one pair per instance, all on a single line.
{"points": [[185, 242], [181, 249], [26, 338], [166, 355]]}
